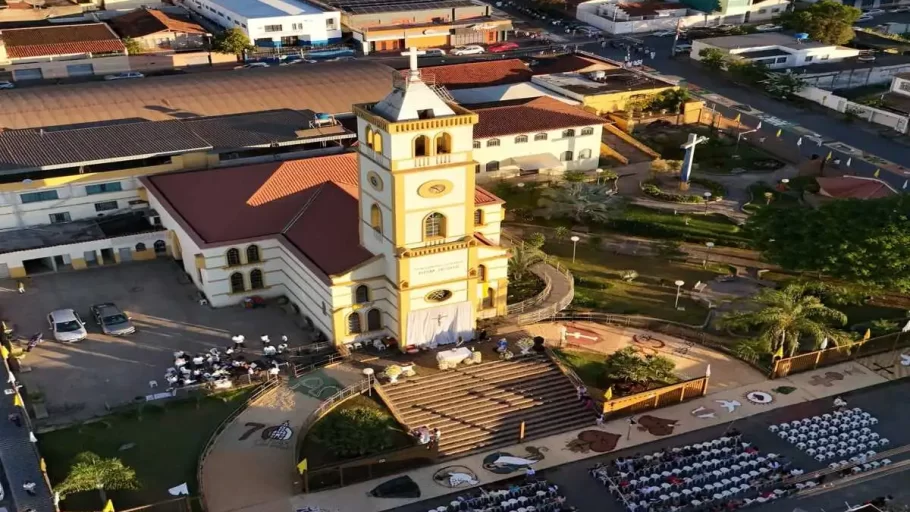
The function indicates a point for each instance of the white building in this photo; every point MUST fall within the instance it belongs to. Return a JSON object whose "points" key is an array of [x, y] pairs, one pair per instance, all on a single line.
{"points": [[775, 50], [412, 249], [273, 23], [540, 136]]}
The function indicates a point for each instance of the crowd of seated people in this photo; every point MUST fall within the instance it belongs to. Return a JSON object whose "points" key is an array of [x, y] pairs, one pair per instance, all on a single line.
{"points": [[722, 474], [220, 368], [529, 496]]}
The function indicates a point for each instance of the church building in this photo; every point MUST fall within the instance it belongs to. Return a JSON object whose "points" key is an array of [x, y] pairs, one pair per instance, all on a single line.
{"points": [[393, 241]]}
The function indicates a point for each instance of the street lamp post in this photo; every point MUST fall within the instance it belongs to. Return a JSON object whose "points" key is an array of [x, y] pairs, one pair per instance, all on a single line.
{"points": [[574, 240], [599, 174], [709, 246], [783, 184], [707, 196], [679, 284]]}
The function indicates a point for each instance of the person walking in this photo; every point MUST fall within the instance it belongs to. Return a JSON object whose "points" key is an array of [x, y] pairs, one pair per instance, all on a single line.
{"points": [[20, 286], [238, 341]]}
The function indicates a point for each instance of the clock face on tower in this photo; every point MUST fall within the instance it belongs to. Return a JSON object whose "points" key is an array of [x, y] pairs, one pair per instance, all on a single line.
{"points": [[375, 180], [435, 188]]}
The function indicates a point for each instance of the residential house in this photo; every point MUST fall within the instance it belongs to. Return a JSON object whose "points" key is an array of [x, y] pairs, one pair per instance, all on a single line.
{"points": [[61, 51], [773, 49], [159, 31]]}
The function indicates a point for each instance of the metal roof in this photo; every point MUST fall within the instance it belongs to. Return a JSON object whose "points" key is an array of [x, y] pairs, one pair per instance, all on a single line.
{"points": [[330, 87], [376, 6]]}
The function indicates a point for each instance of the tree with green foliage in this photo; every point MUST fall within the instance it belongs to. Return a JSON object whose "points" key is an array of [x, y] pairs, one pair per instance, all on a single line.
{"points": [[784, 85], [561, 233], [356, 432], [671, 99], [713, 58], [661, 166], [628, 366], [536, 240], [91, 472], [522, 258], [132, 46], [573, 176], [747, 71], [826, 21], [865, 242], [582, 202], [788, 317], [232, 41]]}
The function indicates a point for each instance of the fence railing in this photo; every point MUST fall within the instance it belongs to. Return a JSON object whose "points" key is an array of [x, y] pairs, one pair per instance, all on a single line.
{"points": [[263, 388], [521, 309], [834, 355], [299, 369], [656, 398]]}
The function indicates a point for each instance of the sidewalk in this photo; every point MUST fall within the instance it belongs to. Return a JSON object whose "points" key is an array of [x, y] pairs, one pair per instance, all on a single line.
{"points": [[808, 386]]}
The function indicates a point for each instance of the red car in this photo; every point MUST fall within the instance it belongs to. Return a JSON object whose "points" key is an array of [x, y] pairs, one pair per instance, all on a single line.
{"points": [[502, 47]]}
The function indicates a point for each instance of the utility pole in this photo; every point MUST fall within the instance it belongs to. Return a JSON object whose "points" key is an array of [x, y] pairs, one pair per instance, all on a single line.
{"points": [[676, 37]]}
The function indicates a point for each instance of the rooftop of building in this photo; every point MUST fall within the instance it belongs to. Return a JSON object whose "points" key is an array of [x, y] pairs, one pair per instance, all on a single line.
{"points": [[530, 116], [60, 40], [649, 8], [601, 81], [383, 6], [144, 22], [252, 9], [759, 40], [85, 230], [853, 63], [311, 87], [763, 54], [569, 63], [478, 74], [287, 200], [365, 24], [853, 187]]}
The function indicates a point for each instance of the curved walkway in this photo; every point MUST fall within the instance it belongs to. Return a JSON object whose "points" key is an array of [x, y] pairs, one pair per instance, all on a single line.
{"points": [[248, 469], [562, 290]]}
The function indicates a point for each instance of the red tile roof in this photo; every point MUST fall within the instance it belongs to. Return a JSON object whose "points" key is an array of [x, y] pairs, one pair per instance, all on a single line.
{"points": [[144, 22], [60, 40], [310, 203], [569, 63], [540, 114], [648, 8], [479, 74], [852, 187]]}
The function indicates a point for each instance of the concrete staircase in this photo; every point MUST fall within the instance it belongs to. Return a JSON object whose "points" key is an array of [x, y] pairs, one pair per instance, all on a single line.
{"points": [[632, 153], [482, 406]]}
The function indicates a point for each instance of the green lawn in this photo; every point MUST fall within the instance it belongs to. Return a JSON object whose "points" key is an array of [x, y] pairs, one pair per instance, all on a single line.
{"points": [[599, 287], [589, 366], [168, 439], [716, 155], [638, 220]]}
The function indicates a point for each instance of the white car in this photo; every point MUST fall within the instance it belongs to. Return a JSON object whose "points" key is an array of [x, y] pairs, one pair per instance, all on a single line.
{"points": [[874, 12], [124, 76], [588, 31], [865, 17], [664, 33], [7, 85], [472, 49], [769, 27], [253, 65], [66, 326], [434, 52]]}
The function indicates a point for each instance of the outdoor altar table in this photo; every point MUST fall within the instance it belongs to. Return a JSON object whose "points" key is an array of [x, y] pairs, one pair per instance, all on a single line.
{"points": [[454, 356]]}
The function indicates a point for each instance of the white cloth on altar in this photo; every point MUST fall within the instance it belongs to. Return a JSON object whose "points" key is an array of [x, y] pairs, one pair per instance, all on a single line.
{"points": [[442, 324], [456, 355]]}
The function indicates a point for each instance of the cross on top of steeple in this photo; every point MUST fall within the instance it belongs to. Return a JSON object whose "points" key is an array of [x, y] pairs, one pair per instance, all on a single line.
{"points": [[413, 53]]}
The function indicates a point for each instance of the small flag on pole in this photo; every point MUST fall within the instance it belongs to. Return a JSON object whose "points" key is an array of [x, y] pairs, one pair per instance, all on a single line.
{"points": [[906, 327], [876, 173], [779, 353], [830, 154], [4, 352], [867, 335], [824, 344], [17, 400], [738, 117], [302, 467], [779, 132], [799, 142], [109, 507], [608, 394], [904, 187], [849, 161]]}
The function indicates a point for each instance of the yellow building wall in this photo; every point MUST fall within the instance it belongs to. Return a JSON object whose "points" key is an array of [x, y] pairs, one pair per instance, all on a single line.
{"points": [[612, 102], [427, 42]]}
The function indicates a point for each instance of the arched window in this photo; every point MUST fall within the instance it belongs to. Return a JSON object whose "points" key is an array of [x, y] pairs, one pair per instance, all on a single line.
{"points": [[361, 294], [443, 144], [140, 247], [568, 133], [369, 137], [354, 324], [476, 168], [521, 139], [377, 142], [487, 298], [237, 283], [491, 296], [476, 144], [482, 273], [492, 166], [587, 131], [256, 279], [374, 320], [233, 257], [421, 146], [434, 225], [252, 254], [160, 247], [478, 217], [566, 156], [376, 218], [540, 136], [492, 143], [584, 154]]}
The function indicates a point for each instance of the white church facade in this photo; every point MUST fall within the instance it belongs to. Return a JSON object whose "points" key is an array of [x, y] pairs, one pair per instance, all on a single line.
{"points": [[392, 241]]}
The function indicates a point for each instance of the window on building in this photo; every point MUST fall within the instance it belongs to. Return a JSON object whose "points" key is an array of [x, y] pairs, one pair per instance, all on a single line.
{"points": [[443, 144], [776, 9], [374, 320], [492, 143], [492, 166], [780, 60], [377, 142], [587, 131], [478, 217], [903, 85], [252, 254], [540, 136], [361, 294], [101, 188], [369, 137], [237, 283], [376, 218], [140, 247], [482, 273], [35, 197], [568, 133], [762, 11], [824, 57], [488, 298], [584, 154], [330, 24], [566, 156], [421, 146], [272, 28], [160, 247], [476, 144], [256, 282], [438, 296], [354, 324], [105, 206], [57, 218], [809, 58], [434, 225], [233, 257], [476, 168], [521, 139]]}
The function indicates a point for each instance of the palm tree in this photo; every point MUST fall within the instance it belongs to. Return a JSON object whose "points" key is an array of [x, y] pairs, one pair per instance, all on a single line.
{"points": [[787, 316], [580, 201], [522, 259], [90, 472]]}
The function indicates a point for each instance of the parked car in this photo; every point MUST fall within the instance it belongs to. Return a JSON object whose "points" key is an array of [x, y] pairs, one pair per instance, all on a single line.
{"points": [[124, 76], [586, 30], [502, 47], [253, 65], [769, 27], [434, 52], [664, 33], [874, 12], [471, 49], [7, 85], [112, 319], [866, 58], [682, 48], [901, 9], [66, 326], [865, 17]]}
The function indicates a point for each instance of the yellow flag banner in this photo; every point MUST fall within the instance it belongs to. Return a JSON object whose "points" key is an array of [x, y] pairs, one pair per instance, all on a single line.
{"points": [[4, 352], [608, 394], [877, 173], [780, 352], [109, 507], [779, 132], [738, 117], [830, 154], [867, 335], [17, 400], [302, 467]]}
